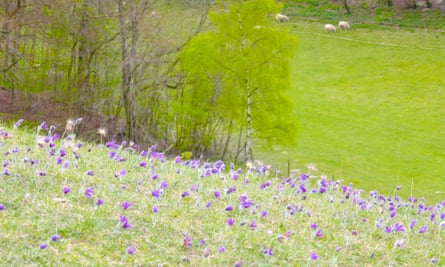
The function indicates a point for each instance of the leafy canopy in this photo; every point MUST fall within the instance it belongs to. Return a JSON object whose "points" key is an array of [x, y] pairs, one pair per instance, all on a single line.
{"points": [[244, 61]]}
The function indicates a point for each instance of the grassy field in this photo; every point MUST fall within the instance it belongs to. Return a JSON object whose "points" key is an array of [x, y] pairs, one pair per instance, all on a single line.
{"points": [[371, 107], [68, 203]]}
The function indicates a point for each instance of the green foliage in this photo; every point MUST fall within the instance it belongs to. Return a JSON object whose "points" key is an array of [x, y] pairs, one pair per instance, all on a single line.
{"points": [[245, 55]]}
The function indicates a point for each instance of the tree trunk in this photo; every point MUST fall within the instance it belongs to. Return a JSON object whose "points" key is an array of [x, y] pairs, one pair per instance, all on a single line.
{"points": [[249, 154], [127, 92], [346, 6]]}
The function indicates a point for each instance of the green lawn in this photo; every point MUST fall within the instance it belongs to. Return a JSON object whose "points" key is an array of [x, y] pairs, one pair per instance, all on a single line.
{"points": [[370, 104]]}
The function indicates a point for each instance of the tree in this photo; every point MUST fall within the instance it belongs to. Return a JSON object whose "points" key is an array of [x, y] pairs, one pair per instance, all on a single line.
{"points": [[240, 73]]}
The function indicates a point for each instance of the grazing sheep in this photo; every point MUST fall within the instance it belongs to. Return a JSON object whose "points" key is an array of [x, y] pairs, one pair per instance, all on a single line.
{"points": [[330, 28], [281, 18], [344, 25]]}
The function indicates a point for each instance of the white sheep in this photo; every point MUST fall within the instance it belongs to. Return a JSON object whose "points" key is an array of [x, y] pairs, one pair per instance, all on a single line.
{"points": [[344, 25], [330, 28], [281, 18]]}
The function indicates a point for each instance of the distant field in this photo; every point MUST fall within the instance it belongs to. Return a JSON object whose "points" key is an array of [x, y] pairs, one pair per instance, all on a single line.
{"points": [[371, 108]]}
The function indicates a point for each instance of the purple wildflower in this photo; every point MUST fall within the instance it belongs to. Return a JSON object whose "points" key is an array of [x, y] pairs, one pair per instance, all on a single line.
{"points": [[209, 204], [313, 226], [187, 241], [156, 193], [90, 173], [202, 242], [131, 250], [217, 194], [313, 256], [43, 246], [126, 205], [319, 233], [264, 213], [253, 224], [55, 237], [89, 192], [124, 221], [2, 207], [163, 184], [229, 208], [66, 190], [268, 251], [230, 221], [18, 123], [99, 202], [185, 194], [155, 209], [412, 224], [355, 232], [143, 164], [398, 227], [155, 176], [222, 249], [423, 229]]}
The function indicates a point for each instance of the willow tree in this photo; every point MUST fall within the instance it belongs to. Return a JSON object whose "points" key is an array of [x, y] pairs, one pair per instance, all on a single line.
{"points": [[240, 72]]}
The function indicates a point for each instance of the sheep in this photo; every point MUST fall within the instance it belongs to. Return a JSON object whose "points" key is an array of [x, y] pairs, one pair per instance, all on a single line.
{"points": [[281, 18], [330, 28], [344, 25]]}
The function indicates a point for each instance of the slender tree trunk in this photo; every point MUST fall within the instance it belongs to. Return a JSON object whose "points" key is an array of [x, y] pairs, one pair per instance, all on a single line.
{"points": [[249, 154], [127, 92], [346, 6]]}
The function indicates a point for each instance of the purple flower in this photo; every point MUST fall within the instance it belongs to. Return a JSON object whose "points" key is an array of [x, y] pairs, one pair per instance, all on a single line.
{"points": [[268, 251], [434, 260], [124, 220], [229, 208], [90, 173], [253, 224], [230, 221], [412, 224], [314, 226], [313, 256], [423, 229], [44, 125], [392, 214], [126, 205], [217, 194], [89, 192], [221, 249], [99, 202], [155, 209], [156, 193], [55, 237], [2, 207], [187, 241], [122, 173], [319, 233], [185, 194], [43, 246], [155, 176], [202, 242], [143, 164], [18, 123], [131, 250], [355, 232], [209, 204], [66, 190], [163, 184], [264, 213], [398, 227]]}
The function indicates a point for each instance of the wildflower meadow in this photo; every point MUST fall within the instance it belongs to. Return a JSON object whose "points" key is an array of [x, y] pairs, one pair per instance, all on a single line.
{"points": [[65, 202]]}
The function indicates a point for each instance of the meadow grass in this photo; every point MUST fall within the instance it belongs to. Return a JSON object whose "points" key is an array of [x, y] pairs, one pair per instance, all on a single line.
{"points": [[64, 202], [370, 104]]}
